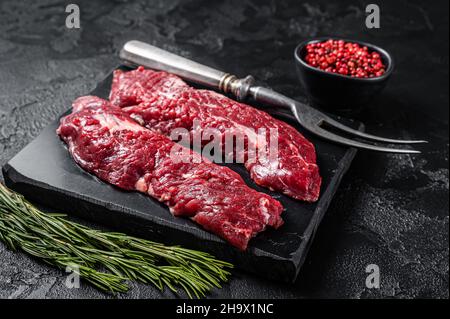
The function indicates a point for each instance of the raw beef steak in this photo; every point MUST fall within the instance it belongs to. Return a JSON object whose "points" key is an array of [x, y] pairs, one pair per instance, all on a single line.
{"points": [[105, 141], [162, 102]]}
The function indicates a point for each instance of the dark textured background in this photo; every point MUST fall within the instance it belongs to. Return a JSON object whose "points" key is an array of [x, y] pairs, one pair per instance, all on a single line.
{"points": [[391, 210]]}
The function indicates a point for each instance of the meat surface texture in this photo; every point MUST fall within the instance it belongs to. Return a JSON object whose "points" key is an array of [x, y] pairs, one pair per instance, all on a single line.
{"points": [[162, 102], [106, 142]]}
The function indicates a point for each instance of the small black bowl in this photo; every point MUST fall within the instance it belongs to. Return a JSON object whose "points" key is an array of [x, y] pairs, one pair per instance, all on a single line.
{"points": [[336, 92]]}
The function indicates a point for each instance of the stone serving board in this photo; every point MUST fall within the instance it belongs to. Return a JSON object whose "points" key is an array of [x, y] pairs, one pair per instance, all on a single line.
{"points": [[45, 173]]}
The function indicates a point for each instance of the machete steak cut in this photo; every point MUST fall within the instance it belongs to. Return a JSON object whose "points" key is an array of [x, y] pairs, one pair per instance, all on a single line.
{"points": [[163, 102], [108, 143]]}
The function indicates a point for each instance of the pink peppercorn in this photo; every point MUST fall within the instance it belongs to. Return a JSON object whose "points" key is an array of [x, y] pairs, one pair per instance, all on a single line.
{"points": [[345, 58]]}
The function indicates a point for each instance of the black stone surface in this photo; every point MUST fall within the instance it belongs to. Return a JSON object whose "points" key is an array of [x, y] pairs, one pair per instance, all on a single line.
{"points": [[390, 210], [45, 173]]}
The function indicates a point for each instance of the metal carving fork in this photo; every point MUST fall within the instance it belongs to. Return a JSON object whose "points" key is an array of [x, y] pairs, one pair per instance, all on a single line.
{"points": [[139, 53]]}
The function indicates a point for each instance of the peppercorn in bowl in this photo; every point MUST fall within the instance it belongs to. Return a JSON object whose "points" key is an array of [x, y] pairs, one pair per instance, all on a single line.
{"points": [[342, 75]]}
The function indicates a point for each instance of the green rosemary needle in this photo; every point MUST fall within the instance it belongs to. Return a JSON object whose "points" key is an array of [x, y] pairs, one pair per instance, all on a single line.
{"points": [[105, 259]]}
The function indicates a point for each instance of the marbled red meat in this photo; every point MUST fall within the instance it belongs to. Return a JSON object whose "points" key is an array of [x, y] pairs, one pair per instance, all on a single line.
{"points": [[162, 102], [106, 142]]}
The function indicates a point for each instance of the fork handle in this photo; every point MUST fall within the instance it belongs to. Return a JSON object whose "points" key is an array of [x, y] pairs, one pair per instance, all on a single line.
{"points": [[139, 53]]}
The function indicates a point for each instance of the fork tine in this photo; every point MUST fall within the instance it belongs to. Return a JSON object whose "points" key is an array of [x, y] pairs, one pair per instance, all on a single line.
{"points": [[311, 118], [345, 141], [347, 129]]}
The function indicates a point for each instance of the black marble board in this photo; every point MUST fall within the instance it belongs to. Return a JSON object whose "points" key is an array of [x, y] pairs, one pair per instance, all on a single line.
{"points": [[45, 173]]}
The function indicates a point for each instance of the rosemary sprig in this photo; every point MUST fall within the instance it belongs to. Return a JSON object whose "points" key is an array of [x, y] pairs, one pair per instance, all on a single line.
{"points": [[105, 259]]}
